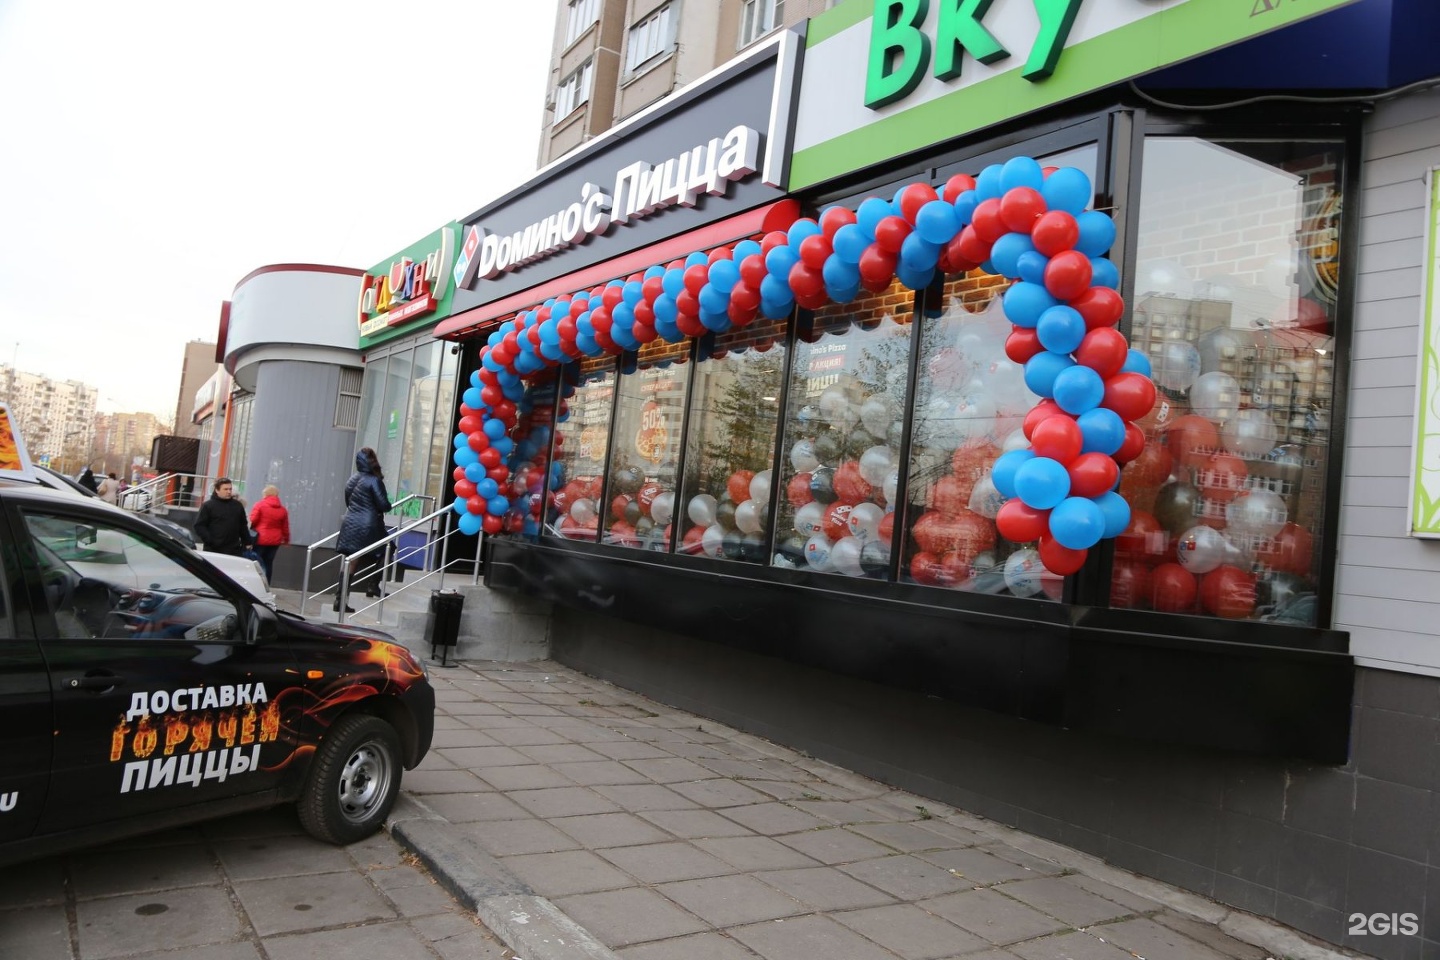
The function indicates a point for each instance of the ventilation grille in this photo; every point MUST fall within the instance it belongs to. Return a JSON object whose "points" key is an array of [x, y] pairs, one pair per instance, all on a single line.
{"points": [[347, 399]]}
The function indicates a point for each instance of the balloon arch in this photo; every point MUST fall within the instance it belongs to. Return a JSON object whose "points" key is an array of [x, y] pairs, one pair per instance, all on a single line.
{"points": [[1018, 220]]}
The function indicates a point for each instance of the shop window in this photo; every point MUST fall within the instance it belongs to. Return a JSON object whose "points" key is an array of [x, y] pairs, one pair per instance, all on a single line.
{"points": [[372, 391], [1235, 297], [582, 439], [440, 448], [648, 39], [724, 506], [844, 426], [579, 15], [970, 406], [645, 451], [531, 475], [759, 17], [415, 443], [574, 90]]}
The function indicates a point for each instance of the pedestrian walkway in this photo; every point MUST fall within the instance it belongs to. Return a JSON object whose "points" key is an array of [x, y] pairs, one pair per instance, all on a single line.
{"points": [[669, 837]]}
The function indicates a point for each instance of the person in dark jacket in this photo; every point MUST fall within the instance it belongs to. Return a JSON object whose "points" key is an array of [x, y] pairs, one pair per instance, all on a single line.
{"points": [[366, 503], [88, 481], [221, 525]]}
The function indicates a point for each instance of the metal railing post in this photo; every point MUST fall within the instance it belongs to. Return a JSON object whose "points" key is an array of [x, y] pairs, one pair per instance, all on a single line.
{"points": [[305, 580], [479, 545], [344, 591], [445, 548]]}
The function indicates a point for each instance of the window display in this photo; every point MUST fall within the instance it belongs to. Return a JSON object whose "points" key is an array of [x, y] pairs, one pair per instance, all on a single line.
{"points": [[531, 473], [582, 437], [734, 413], [1235, 298], [645, 453], [843, 435]]}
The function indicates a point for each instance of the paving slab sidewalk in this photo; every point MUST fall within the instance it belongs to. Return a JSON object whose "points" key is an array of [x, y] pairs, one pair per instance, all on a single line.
{"points": [[617, 826]]}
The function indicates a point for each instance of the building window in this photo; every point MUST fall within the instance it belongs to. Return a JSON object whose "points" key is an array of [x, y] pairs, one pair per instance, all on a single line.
{"points": [[582, 439], [759, 17], [649, 38], [579, 16], [574, 90]]}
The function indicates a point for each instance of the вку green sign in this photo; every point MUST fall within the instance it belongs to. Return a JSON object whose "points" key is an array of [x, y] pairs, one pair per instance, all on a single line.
{"points": [[900, 47]]}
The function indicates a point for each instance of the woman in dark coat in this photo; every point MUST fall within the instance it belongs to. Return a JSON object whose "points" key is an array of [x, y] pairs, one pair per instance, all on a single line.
{"points": [[366, 503], [221, 525]]}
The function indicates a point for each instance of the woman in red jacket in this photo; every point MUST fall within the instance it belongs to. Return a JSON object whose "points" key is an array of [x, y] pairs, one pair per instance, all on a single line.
{"points": [[271, 522]]}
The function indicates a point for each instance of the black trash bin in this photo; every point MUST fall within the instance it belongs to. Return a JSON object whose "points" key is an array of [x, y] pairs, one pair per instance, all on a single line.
{"points": [[442, 623]]}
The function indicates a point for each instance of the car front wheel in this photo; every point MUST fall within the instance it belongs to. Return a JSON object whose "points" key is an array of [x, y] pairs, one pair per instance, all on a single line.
{"points": [[354, 780]]}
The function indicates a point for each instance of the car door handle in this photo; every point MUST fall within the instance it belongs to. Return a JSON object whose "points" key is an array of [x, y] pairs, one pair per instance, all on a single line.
{"points": [[97, 681]]}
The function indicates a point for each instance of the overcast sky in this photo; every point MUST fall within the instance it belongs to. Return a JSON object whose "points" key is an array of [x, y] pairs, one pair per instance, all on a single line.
{"points": [[157, 152]]}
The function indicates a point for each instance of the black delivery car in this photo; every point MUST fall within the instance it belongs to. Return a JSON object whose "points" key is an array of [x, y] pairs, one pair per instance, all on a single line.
{"points": [[140, 688]]}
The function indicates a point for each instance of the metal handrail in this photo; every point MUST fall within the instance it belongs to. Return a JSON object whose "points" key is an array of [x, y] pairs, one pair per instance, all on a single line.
{"points": [[310, 552]]}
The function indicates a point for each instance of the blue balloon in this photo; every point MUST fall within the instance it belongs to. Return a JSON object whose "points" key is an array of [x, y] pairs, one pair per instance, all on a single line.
{"points": [[583, 296], [1104, 273], [776, 309], [497, 506], [475, 472], [850, 242], [587, 345], [1007, 251], [464, 457], [472, 398], [549, 332], [1116, 512], [1002, 474], [668, 331], [504, 445], [870, 213], [1024, 302], [697, 259], [485, 488], [552, 351], [1061, 329], [965, 205], [494, 339], [714, 322], [916, 278], [918, 253], [1067, 189], [745, 248], [1097, 233], [490, 363], [1021, 172], [936, 222], [494, 428], [469, 523], [713, 300], [1042, 369], [1101, 430], [774, 288], [623, 314], [1136, 362], [1078, 389], [724, 274], [801, 230], [673, 282], [1030, 266], [1077, 523], [459, 506], [842, 294], [633, 292], [654, 270], [780, 260], [665, 308], [987, 185], [839, 273], [624, 338], [583, 324], [1041, 483], [460, 440], [474, 378]]}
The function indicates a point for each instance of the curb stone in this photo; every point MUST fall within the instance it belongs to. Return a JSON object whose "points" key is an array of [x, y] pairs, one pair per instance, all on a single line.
{"points": [[531, 926]]}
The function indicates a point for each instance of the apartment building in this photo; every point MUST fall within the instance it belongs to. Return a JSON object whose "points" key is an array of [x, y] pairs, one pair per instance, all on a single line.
{"points": [[198, 366], [613, 58], [56, 417]]}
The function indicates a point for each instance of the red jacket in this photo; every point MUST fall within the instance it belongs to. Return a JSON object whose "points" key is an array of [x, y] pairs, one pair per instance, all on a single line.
{"points": [[271, 522]]}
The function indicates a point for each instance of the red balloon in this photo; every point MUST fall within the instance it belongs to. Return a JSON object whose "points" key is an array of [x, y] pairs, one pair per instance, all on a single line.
{"points": [[652, 287], [885, 531], [849, 486], [971, 247], [1060, 559], [738, 486], [1020, 207], [1058, 438], [956, 567], [1143, 538], [833, 218], [721, 253], [618, 505], [752, 270], [491, 524], [957, 185], [1228, 592], [696, 277], [773, 239], [952, 258], [1092, 474], [469, 424], [690, 543], [1055, 232], [797, 491], [1222, 477], [814, 251], [1068, 274], [690, 325], [1022, 344], [1129, 394], [1132, 446], [475, 504], [686, 303], [941, 534], [813, 300], [877, 268], [1041, 412], [644, 332], [1129, 584], [987, 223], [806, 281], [1103, 350], [458, 473], [1290, 551], [1021, 523], [490, 458], [915, 196], [745, 296], [834, 522], [644, 317], [951, 495], [612, 296], [478, 441], [1100, 306], [1172, 588], [1192, 439], [647, 493], [464, 489], [578, 307], [890, 234], [925, 567], [740, 316], [499, 474]]}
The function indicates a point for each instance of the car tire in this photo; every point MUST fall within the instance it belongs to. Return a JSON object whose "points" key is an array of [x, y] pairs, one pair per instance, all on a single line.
{"points": [[353, 781]]}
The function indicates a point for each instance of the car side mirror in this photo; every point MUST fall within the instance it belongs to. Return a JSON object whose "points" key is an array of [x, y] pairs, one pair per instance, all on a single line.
{"points": [[261, 626], [85, 535]]}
